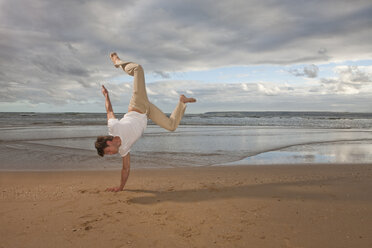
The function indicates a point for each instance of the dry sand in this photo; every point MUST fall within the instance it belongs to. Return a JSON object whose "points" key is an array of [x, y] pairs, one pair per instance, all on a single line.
{"points": [[244, 206]]}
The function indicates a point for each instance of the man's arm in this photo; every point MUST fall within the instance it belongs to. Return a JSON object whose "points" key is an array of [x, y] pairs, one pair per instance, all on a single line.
{"points": [[124, 174], [110, 112]]}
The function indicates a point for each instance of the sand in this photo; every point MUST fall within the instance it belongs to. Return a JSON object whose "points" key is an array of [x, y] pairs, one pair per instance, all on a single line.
{"points": [[241, 206]]}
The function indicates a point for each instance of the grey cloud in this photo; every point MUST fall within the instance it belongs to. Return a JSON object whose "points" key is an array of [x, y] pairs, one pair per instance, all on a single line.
{"points": [[355, 74], [322, 51], [256, 96], [310, 71], [350, 80], [71, 48], [162, 74], [261, 95], [56, 66], [178, 34], [64, 45]]}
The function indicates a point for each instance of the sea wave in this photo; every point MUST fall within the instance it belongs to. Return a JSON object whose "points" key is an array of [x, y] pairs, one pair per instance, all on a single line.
{"points": [[260, 119]]}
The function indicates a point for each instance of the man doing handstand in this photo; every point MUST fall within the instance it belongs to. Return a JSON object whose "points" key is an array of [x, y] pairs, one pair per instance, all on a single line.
{"points": [[125, 132]]}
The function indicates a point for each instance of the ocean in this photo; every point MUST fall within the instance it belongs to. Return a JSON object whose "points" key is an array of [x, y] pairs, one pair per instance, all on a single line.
{"points": [[65, 141]]}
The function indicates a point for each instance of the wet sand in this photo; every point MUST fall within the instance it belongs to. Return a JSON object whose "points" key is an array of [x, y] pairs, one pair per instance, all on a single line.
{"points": [[235, 206]]}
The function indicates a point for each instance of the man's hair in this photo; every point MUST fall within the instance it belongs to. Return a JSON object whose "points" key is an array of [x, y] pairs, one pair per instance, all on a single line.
{"points": [[101, 144]]}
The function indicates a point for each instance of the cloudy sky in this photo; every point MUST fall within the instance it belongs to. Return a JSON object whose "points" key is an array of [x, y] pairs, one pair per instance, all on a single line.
{"points": [[242, 55]]}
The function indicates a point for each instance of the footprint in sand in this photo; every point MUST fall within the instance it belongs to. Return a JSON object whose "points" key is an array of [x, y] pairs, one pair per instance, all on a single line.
{"points": [[111, 203], [90, 191], [160, 212], [88, 224], [231, 237], [85, 216], [188, 232]]}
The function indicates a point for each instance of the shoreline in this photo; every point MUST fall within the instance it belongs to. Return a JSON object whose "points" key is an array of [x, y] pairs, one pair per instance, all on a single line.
{"points": [[68, 148], [231, 165], [209, 206]]}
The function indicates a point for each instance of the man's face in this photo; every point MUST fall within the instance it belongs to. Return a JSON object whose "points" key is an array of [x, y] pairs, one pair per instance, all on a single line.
{"points": [[110, 149]]}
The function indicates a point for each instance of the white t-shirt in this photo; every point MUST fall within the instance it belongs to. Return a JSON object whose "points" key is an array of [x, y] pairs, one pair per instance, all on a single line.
{"points": [[130, 128]]}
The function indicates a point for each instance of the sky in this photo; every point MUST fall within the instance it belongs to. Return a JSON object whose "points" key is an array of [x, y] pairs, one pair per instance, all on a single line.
{"points": [[237, 55]]}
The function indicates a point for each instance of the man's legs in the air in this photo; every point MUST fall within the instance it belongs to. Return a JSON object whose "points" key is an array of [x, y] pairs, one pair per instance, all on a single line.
{"points": [[140, 101]]}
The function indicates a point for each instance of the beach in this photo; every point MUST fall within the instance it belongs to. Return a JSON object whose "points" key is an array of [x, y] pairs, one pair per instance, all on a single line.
{"points": [[322, 205], [224, 179]]}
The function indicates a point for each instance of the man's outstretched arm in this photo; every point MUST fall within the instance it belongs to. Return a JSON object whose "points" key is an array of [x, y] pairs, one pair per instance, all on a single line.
{"points": [[124, 174], [110, 112]]}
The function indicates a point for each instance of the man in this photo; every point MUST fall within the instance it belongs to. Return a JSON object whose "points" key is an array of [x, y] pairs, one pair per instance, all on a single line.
{"points": [[124, 133]]}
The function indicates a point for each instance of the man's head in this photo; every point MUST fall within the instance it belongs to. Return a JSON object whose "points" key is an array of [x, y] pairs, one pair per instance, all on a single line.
{"points": [[106, 145]]}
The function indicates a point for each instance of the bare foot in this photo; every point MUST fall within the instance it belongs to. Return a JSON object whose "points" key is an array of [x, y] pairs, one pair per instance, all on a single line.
{"points": [[115, 59], [185, 99]]}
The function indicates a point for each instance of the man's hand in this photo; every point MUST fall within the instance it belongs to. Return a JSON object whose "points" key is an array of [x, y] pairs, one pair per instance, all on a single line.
{"points": [[104, 91], [110, 112], [115, 189], [124, 174]]}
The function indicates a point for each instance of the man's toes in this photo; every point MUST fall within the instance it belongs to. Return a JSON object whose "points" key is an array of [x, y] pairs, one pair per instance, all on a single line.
{"points": [[185, 99], [190, 99]]}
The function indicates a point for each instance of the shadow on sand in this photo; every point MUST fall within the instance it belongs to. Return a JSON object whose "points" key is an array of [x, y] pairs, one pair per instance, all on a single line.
{"points": [[323, 190]]}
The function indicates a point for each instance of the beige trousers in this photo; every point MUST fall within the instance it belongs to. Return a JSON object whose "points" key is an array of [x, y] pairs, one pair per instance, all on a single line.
{"points": [[141, 102]]}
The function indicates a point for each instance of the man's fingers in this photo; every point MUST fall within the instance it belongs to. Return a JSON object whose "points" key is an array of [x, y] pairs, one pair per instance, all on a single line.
{"points": [[104, 90], [113, 189]]}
